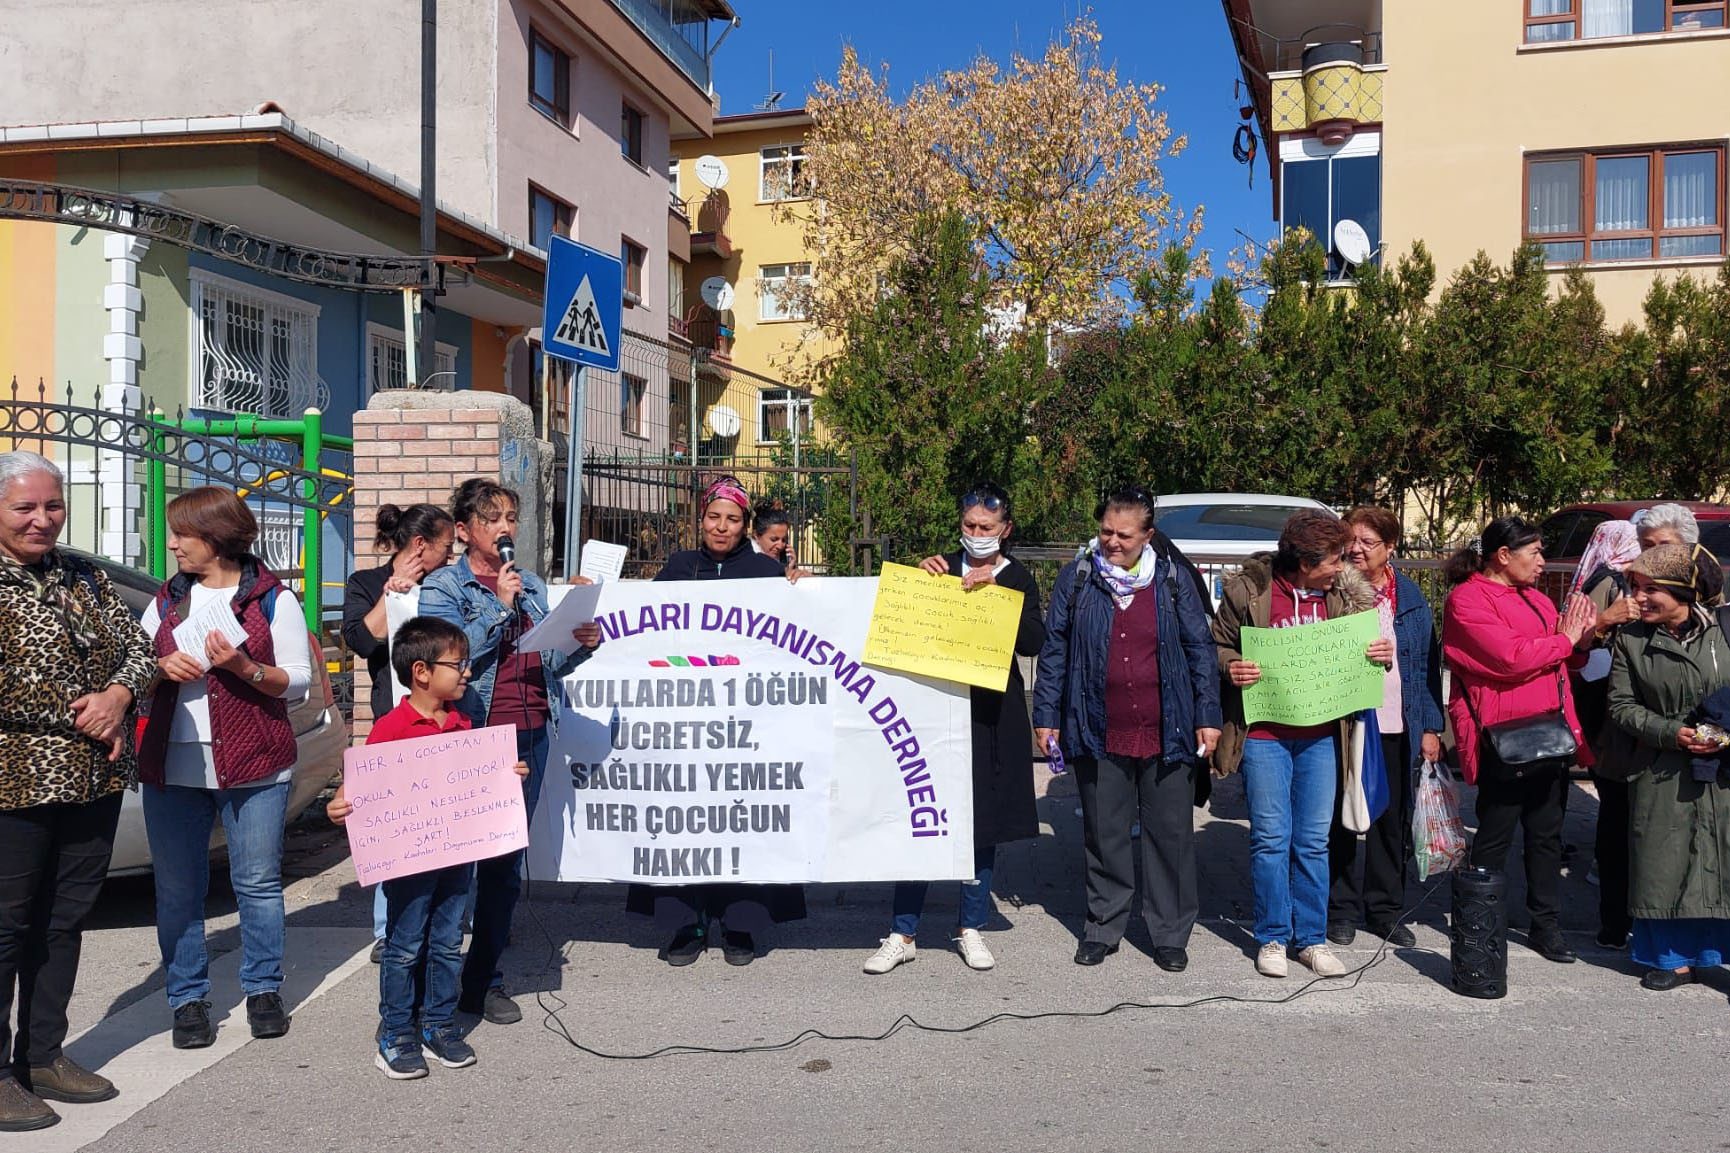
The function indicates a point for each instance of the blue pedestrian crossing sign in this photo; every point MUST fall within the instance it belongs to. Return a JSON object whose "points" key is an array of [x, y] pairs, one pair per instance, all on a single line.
{"points": [[585, 305]]}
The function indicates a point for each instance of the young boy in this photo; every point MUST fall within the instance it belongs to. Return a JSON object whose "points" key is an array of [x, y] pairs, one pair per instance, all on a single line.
{"points": [[423, 912]]}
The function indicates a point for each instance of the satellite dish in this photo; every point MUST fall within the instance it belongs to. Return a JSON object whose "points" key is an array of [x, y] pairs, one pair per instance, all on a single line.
{"points": [[711, 171], [717, 293], [1352, 241], [724, 422]]}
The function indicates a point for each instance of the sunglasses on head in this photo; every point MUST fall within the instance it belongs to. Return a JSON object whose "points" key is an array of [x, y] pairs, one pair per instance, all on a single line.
{"points": [[983, 500]]}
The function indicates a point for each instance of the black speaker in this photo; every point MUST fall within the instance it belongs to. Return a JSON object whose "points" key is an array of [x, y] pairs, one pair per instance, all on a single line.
{"points": [[1479, 933]]}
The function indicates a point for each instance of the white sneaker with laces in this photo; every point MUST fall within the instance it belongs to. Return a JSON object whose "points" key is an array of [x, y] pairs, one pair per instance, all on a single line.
{"points": [[1270, 962], [1322, 959], [896, 950], [973, 950]]}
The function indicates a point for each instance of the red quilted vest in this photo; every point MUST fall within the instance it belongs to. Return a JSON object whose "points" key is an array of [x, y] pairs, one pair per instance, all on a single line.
{"points": [[251, 737]]}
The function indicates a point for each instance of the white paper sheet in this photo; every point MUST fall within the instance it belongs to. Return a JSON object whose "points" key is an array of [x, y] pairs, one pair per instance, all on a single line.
{"points": [[603, 561], [575, 607], [217, 616]]}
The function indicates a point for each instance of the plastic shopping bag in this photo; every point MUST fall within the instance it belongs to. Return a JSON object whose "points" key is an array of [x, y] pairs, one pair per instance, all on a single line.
{"points": [[1437, 833]]}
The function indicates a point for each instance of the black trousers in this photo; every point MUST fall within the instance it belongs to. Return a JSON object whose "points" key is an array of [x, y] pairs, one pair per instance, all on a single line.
{"points": [[1611, 849], [1379, 896], [1116, 792], [1535, 805], [53, 860]]}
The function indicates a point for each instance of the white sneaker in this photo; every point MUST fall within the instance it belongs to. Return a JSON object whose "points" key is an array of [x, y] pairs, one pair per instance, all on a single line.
{"points": [[1270, 962], [973, 950], [896, 950], [1322, 960]]}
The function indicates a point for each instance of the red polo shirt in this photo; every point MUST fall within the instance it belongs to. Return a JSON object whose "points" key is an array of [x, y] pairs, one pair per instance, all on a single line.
{"points": [[406, 721]]}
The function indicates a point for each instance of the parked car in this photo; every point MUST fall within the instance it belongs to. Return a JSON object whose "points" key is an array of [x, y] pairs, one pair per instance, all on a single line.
{"points": [[320, 734], [1217, 529], [1568, 530]]}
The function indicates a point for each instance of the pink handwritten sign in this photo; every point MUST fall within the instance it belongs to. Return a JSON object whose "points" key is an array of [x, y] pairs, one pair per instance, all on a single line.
{"points": [[429, 802]]}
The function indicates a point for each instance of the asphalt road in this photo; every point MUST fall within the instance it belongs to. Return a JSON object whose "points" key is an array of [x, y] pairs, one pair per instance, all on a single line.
{"points": [[1576, 1057]]}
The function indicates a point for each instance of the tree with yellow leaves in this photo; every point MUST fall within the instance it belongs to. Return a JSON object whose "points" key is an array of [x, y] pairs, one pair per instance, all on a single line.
{"points": [[1054, 163]]}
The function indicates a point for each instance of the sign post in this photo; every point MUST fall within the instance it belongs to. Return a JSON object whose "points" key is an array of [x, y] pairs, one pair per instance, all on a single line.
{"points": [[581, 324]]}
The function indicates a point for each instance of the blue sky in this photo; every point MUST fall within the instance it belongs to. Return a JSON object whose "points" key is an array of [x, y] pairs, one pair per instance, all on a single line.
{"points": [[1182, 44]]}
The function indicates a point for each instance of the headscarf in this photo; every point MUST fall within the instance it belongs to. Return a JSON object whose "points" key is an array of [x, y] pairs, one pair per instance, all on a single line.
{"points": [[728, 488], [1690, 572], [1614, 544], [1123, 583]]}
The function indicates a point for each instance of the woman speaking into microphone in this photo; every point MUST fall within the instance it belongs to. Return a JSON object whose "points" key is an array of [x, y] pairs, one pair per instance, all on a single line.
{"points": [[495, 602]]}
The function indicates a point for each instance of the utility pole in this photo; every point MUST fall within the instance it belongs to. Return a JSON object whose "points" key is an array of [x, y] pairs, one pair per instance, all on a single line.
{"points": [[425, 338]]}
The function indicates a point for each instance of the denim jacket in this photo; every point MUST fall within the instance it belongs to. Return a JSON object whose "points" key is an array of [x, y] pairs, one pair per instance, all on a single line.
{"points": [[1420, 656], [456, 595], [1070, 691]]}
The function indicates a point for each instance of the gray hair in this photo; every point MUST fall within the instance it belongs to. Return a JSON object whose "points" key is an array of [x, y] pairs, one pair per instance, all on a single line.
{"points": [[18, 464], [1671, 516]]}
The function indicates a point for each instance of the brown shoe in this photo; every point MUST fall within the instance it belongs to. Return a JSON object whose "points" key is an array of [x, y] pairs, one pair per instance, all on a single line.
{"points": [[21, 1110], [63, 1079]]}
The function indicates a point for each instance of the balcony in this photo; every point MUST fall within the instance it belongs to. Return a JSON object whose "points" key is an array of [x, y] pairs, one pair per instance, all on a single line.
{"points": [[710, 237], [680, 29], [711, 337]]}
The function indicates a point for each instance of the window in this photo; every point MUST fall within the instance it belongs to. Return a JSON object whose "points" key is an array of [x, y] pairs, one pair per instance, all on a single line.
{"points": [[257, 351], [631, 134], [1646, 204], [387, 362], [633, 255], [549, 80], [675, 288], [1321, 186], [1548, 21], [631, 390], [783, 412], [548, 217], [781, 173], [775, 285]]}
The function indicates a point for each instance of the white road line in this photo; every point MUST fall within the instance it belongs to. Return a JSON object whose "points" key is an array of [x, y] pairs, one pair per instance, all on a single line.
{"points": [[132, 1047]]}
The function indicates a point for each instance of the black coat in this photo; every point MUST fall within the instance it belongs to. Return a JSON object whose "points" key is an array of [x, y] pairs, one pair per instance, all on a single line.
{"points": [[697, 565], [359, 595], [1003, 802]]}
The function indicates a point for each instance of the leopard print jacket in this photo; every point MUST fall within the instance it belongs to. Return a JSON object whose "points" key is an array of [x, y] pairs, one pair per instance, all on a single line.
{"points": [[43, 758]]}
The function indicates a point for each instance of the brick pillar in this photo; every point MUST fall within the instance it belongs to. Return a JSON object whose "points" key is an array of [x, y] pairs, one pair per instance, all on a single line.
{"points": [[405, 456]]}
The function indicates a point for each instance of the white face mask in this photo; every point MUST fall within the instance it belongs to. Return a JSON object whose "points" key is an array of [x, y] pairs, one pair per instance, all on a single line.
{"points": [[981, 547]]}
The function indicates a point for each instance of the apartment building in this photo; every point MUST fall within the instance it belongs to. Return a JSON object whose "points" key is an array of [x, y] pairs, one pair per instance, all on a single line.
{"points": [[1594, 128]]}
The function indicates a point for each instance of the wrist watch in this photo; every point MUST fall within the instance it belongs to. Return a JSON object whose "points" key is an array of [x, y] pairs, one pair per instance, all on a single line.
{"points": [[258, 674]]}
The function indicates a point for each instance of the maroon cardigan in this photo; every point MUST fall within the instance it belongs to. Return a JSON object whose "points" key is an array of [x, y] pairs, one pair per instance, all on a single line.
{"points": [[251, 737]]}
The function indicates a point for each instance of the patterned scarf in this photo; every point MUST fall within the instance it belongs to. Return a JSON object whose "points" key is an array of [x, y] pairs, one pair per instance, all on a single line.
{"points": [[1124, 584], [53, 586]]}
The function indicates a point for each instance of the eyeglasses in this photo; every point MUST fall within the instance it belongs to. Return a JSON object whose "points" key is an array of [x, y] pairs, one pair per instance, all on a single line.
{"points": [[459, 666], [1368, 544], [983, 500]]}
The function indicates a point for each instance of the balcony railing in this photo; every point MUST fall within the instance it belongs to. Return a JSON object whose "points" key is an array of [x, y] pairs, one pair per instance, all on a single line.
{"points": [[1288, 55], [654, 19]]}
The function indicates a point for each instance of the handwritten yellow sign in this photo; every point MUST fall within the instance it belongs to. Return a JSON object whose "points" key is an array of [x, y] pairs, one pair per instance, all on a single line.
{"points": [[1313, 673], [931, 626]]}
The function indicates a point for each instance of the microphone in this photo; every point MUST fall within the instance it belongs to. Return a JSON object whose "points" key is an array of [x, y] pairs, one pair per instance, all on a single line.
{"points": [[507, 549]]}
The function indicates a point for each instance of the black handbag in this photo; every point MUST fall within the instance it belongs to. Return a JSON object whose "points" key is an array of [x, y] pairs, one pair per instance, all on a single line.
{"points": [[1528, 747]]}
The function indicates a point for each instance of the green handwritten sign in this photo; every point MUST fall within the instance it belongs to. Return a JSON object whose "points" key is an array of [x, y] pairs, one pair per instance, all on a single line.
{"points": [[1312, 673]]}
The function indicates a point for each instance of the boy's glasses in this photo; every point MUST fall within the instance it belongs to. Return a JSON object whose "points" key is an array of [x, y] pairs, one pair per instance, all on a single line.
{"points": [[459, 666]]}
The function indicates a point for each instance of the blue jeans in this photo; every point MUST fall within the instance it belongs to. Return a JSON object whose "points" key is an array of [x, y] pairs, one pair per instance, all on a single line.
{"points": [[378, 908], [422, 965], [1290, 789], [909, 900], [178, 822], [498, 884]]}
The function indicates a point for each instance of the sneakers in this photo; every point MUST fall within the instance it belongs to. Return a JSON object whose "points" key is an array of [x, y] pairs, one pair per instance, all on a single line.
{"points": [[264, 1012], [377, 954], [686, 946], [895, 950], [499, 1009], [192, 1028], [400, 1059], [448, 1046], [737, 948], [21, 1110], [63, 1079], [1321, 959], [1270, 961], [973, 950]]}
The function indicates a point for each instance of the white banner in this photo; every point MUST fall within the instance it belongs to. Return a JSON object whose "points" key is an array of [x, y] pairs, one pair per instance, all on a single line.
{"points": [[727, 731]]}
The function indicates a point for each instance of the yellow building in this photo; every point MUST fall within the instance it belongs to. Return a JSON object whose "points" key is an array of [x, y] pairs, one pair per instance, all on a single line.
{"points": [[1595, 128], [745, 253]]}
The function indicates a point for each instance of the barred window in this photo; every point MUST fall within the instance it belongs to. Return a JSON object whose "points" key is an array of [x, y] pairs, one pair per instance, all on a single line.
{"points": [[387, 362], [257, 350], [783, 412]]}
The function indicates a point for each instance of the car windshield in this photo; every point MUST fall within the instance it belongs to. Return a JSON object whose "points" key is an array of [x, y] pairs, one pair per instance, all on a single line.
{"points": [[1225, 521], [1715, 535]]}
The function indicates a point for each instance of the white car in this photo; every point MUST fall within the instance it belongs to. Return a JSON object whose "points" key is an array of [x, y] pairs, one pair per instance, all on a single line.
{"points": [[1216, 530], [320, 736]]}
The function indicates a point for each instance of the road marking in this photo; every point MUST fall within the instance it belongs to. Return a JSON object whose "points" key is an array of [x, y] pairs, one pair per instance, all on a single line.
{"points": [[132, 1047]]}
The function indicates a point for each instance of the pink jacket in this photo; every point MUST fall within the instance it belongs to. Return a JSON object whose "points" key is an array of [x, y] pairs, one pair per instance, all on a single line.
{"points": [[1509, 658]]}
